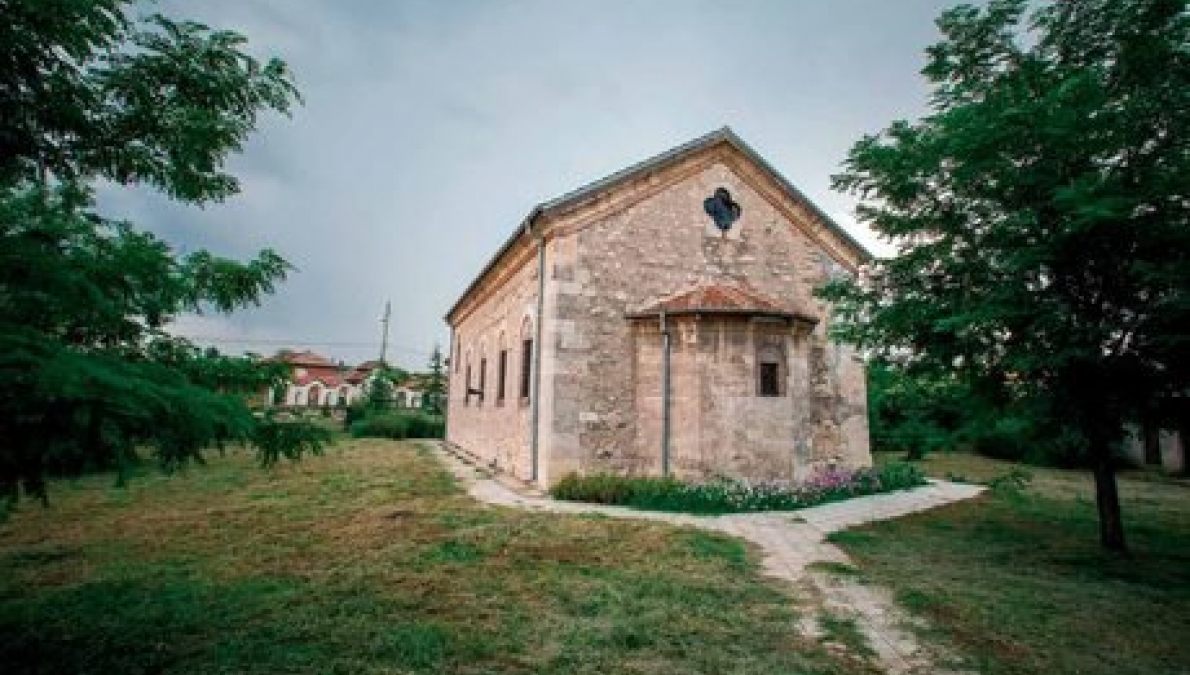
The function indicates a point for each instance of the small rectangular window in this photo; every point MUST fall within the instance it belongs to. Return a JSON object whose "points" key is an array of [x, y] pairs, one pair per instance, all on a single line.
{"points": [[770, 380], [501, 373], [467, 386], [526, 367]]}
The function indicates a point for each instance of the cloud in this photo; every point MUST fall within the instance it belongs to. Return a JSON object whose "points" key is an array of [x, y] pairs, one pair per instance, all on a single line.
{"points": [[430, 128]]}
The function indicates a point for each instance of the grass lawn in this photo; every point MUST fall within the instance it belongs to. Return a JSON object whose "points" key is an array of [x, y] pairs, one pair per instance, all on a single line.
{"points": [[1015, 580], [371, 560]]}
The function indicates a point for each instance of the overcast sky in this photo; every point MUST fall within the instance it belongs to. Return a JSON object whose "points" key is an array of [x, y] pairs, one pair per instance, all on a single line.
{"points": [[430, 128]]}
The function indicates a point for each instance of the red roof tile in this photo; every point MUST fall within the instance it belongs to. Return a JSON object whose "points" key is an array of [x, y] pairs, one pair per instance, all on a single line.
{"points": [[721, 298], [305, 358]]}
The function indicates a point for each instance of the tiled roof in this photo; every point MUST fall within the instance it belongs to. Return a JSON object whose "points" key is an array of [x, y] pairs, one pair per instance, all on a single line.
{"points": [[326, 376], [362, 371], [721, 297], [305, 358]]}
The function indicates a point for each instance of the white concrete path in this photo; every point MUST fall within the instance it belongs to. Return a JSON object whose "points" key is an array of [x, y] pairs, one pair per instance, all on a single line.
{"points": [[790, 542]]}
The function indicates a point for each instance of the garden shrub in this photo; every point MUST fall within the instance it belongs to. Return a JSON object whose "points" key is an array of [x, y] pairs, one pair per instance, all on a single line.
{"points": [[398, 425], [423, 425], [726, 495]]}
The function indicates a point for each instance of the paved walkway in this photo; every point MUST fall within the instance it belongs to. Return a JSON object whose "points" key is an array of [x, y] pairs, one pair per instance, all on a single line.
{"points": [[790, 542]]}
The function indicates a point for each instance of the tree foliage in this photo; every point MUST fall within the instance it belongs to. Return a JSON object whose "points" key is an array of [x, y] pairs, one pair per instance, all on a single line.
{"points": [[1042, 216], [435, 384], [380, 386], [914, 414], [89, 94]]}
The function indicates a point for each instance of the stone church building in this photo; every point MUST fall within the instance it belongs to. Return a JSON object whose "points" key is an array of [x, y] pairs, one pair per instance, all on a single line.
{"points": [[662, 321]]}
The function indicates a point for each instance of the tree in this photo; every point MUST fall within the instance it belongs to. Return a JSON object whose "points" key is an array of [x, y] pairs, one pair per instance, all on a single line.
{"points": [[91, 371], [1042, 217], [380, 385], [912, 413], [435, 390]]}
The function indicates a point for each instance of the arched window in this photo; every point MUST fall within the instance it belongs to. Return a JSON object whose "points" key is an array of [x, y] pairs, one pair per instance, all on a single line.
{"points": [[314, 396]]}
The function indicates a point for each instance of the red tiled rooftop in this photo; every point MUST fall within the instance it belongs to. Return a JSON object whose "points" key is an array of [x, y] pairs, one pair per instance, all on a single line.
{"points": [[305, 358], [720, 298]]}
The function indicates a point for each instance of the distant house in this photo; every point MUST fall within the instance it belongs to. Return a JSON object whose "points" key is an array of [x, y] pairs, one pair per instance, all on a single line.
{"points": [[408, 394], [317, 381], [662, 320], [359, 379]]}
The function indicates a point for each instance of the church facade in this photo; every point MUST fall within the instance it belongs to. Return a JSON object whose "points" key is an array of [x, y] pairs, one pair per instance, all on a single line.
{"points": [[662, 321]]}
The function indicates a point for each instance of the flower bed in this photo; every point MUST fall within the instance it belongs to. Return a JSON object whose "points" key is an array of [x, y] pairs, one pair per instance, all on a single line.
{"points": [[726, 495]]}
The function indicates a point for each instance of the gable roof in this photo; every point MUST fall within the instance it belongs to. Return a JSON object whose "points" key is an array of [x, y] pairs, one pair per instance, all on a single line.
{"points": [[721, 135]]}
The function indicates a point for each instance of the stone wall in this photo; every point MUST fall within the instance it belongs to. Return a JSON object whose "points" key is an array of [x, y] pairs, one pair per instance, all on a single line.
{"points": [[719, 425], [604, 417], [614, 252], [498, 432]]}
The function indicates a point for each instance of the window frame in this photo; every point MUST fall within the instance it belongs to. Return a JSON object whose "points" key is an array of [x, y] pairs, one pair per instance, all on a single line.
{"points": [[483, 377], [467, 385], [501, 376]]}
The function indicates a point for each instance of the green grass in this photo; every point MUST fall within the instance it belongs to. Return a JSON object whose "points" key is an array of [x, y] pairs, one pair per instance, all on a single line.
{"points": [[1015, 580], [845, 631], [370, 560]]}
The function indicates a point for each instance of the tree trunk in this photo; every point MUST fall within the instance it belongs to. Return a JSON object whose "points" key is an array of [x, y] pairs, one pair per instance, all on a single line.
{"points": [[1107, 498]]}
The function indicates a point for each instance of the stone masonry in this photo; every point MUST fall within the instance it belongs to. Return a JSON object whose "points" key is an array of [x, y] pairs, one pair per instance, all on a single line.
{"points": [[624, 244]]}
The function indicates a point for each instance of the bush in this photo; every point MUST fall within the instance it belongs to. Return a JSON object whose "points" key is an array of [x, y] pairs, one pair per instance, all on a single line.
{"points": [[725, 495], [422, 425], [398, 425]]}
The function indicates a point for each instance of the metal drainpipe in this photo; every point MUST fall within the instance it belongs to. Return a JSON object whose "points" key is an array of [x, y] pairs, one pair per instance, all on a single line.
{"points": [[536, 387], [664, 396]]}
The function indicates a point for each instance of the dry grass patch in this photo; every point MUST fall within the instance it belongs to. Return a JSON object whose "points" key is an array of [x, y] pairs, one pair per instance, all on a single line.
{"points": [[370, 560]]}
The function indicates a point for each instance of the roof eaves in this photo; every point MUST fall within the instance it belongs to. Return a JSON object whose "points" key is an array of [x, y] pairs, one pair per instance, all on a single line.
{"points": [[740, 311], [830, 222], [579, 194], [525, 227], [724, 133]]}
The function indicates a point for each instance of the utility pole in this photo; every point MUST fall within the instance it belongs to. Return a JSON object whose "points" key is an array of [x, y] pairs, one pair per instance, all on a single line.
{"points": [[384, 335]]}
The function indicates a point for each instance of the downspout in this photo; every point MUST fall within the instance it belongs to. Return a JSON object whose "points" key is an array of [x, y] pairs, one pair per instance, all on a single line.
{"points": [[535, 398], [665, 396]]}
